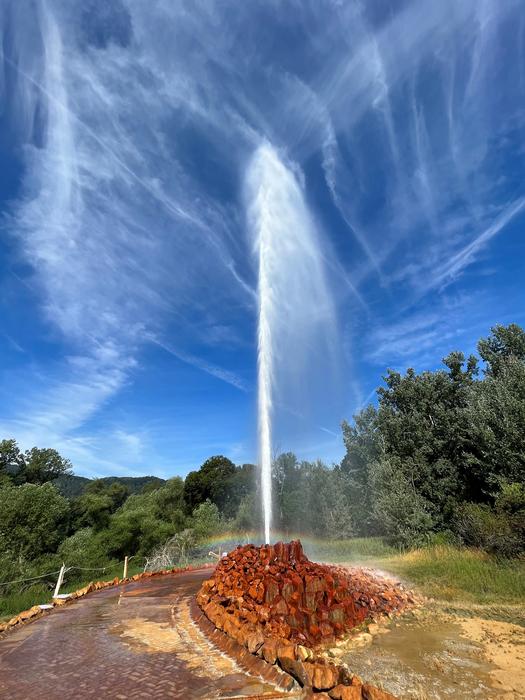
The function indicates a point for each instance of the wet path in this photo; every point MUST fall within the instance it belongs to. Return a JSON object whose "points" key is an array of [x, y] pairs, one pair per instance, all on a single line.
{"points": [[132, 641]]}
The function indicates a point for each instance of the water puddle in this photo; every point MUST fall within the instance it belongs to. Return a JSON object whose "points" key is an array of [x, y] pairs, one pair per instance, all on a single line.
{"points": [[424, 658]]}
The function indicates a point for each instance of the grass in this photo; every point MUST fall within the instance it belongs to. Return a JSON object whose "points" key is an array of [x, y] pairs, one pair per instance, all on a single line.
{"points": [[14, 602], [457, 574], [443, 572]]}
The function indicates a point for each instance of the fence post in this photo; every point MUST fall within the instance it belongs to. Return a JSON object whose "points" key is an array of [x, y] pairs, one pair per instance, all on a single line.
{"points": [[59, 580], [125, 574]]}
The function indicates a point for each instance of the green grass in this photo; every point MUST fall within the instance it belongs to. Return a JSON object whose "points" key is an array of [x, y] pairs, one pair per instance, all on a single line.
{"points": [[15, 601], [456, 575], [358, 549], [443, 572]]}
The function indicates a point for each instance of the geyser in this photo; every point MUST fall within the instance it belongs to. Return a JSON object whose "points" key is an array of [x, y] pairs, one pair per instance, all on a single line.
{"points": [[294, 306]]}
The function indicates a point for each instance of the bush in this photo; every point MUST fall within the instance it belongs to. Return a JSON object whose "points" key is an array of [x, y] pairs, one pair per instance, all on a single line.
{"points": [[83, 548], [479, 525], [177, 550], [206, 519]]}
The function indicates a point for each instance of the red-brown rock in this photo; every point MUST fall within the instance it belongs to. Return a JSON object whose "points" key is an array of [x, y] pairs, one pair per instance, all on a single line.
{"points": [[372, 693], [281, 606], [345, 692], [278, 588], [321, 676]]}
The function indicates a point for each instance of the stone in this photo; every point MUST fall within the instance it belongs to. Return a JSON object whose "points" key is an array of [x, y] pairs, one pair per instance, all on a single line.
{"points": [[28, 614], [345, 692], [255, 641], [295, 668], [269, 650], [321, 676], [303, 653], [286, 609], [370, 692]]}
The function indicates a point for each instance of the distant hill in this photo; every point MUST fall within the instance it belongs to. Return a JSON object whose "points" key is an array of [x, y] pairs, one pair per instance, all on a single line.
{"points": [[73, 486]]}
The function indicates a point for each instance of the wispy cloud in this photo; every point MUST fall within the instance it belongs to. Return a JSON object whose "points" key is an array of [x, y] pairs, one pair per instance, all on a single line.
{"points": [[223, 375], [402, 130], [466, 256]]}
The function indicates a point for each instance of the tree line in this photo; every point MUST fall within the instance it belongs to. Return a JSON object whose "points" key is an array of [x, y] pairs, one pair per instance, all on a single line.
{"points": [[440, 457]]}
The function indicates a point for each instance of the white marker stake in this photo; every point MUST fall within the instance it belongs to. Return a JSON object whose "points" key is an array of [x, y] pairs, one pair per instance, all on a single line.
{"points": [[125, 574], [59, 581]]}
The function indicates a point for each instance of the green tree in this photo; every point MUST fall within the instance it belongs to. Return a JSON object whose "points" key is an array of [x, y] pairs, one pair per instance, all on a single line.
{"points": [[504, 343], [11, 459], [363, 443], [403, 512], [42, 465], [206, 519], [212, 481], [33, 519]]}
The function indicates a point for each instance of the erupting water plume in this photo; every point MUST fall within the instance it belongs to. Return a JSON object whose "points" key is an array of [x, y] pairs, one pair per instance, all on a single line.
{"points": [[295, 309]]}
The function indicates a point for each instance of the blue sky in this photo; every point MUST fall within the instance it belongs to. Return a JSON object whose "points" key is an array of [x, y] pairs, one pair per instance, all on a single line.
{"points": [[132, 180]]}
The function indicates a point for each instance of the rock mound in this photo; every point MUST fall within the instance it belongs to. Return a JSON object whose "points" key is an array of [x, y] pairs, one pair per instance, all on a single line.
{"points": [[276, 591], [284, 608]]}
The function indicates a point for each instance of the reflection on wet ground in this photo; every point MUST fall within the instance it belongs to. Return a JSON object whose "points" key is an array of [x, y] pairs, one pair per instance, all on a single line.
{"points": [[132, 641], [424, 657]]}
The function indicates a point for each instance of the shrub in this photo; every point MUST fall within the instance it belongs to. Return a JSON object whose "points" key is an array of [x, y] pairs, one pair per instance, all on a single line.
{"points": [[479, 525], [206, 519], [176, 550]]}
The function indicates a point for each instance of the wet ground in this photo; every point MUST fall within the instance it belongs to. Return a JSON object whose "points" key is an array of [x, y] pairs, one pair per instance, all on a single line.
{"points": [[425, 657], [132, 641]]}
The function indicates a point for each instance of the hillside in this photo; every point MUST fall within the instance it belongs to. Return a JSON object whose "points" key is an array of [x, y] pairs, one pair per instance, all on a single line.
{"points": [[72, 485]]}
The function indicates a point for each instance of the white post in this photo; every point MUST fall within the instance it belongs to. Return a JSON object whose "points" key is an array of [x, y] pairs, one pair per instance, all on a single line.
{"points": [[60, 579], [125, 574]]}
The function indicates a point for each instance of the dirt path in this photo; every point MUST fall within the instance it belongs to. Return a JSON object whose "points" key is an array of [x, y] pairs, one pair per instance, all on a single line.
{"points": [[129, 642]]}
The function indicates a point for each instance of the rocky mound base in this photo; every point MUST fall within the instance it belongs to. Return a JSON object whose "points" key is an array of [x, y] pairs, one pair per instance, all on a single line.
{"points": [[283, 607]]}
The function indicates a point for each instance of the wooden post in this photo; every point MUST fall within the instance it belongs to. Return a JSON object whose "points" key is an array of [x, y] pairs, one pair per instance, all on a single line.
{"points": [[125, 574], [59, 580]]}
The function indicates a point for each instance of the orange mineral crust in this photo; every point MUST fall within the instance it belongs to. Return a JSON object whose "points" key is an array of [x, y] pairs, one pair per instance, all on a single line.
{"points": [[275, 591]]}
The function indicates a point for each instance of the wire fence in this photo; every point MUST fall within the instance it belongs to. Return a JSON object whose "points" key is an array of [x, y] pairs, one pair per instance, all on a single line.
{"points": [[66, 570]]}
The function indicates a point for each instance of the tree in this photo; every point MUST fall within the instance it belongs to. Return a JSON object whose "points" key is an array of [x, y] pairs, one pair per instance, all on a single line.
{"points": [[206, 519], [504, 343], [33, 519], [11, 459], [212, 481], [363, 444], [170, 502], [99, 500], [397, 505], [438, 440], [496, 414], [42, 465]]}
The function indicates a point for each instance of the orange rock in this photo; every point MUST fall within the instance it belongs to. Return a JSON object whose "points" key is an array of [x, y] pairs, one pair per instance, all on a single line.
{"points": [[28, 614], [59, 601], [372, 693], [345, 692], [255, 641], [321, 676], [269, 650], [295, 668]]}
